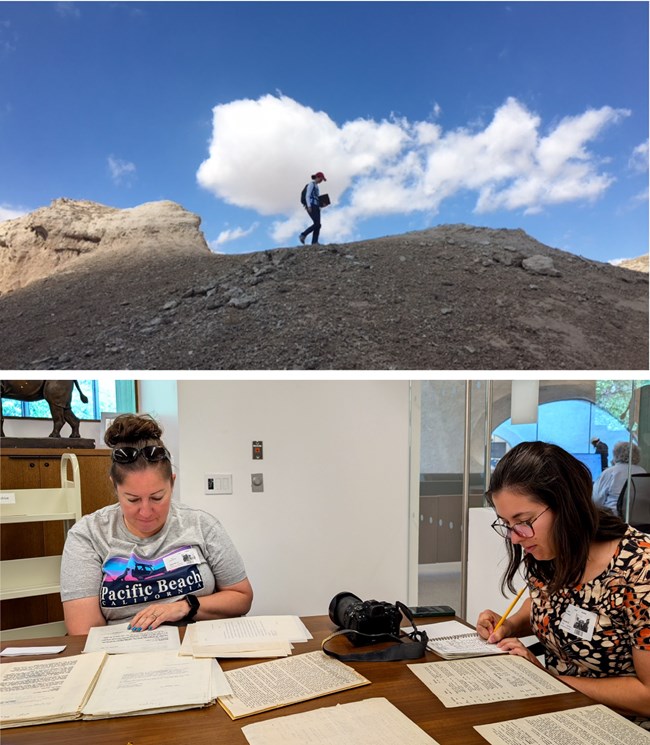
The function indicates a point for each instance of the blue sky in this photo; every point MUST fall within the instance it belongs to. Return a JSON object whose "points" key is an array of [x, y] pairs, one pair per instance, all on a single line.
{"points": [[515, 115]]}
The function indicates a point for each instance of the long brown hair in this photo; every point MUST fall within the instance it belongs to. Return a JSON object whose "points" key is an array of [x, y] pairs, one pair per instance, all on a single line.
{"points": [[138, 431], [554, 478]]}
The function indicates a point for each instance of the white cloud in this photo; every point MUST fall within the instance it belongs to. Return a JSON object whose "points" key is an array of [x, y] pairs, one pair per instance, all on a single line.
{"points": [[232, 234], [7, 212], [639, 159], [122, 172], [68, 10], [262, 152], [8, 38]]}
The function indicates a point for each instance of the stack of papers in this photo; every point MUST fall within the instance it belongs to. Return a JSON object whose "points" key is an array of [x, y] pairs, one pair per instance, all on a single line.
{"points": [[250, 636], [98, 686]]}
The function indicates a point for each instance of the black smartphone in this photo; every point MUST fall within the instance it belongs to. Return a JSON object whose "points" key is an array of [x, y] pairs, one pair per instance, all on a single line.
{"points": [[421, 611]]}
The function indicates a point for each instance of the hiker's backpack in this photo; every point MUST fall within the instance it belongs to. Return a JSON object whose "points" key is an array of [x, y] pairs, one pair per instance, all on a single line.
{"points": [[303, 195]]}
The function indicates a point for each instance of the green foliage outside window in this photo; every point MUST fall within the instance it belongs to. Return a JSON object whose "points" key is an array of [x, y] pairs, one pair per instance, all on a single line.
{"points": [[615, 397]]}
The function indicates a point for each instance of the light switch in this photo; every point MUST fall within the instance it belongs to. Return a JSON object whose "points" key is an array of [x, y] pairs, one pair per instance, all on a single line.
{"points": [[257, 482], [218, 483]]}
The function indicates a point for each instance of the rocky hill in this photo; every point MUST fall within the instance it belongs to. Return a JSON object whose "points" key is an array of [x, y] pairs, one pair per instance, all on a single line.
{"points": [[60, 236], [98, 288]]}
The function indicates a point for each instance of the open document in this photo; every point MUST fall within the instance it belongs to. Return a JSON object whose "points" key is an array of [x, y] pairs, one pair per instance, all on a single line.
{"points": [[453, 640], [484, 680], [374, 721], [250, 636], [45, 691], [588, 725], [269, 685], [97, 685], [119, 639]]}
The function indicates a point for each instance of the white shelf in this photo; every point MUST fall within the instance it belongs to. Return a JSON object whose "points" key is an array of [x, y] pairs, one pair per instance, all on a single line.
{"points": [[6, 520], [25, 578], [37, 631], [40, 575]]}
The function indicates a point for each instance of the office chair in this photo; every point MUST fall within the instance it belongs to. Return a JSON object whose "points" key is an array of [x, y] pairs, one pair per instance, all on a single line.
{"points": [[639, 501]]}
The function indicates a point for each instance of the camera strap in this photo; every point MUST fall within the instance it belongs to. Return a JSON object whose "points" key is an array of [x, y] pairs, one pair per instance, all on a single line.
{"points": [[414, 649]]}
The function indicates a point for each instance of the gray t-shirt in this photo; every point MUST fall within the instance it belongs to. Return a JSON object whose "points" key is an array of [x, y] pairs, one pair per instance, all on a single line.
{"points": [[191, 554]]}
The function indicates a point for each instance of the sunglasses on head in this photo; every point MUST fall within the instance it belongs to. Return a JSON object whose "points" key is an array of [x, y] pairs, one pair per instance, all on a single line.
{"points": [[151, 453]]}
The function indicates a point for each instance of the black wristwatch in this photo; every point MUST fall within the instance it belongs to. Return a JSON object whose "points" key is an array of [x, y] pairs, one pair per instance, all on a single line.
{"points": [[194, 604]]}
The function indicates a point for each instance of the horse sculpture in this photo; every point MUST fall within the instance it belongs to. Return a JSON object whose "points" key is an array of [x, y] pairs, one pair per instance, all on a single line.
{"points": [[57, 393]]}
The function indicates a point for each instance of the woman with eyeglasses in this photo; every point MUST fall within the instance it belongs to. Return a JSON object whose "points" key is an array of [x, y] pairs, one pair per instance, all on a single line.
{"points": [[148, 559], [588, 577]]}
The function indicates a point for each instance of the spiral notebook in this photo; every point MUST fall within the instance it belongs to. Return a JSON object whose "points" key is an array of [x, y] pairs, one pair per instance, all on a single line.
{"points": [[453, 640]]}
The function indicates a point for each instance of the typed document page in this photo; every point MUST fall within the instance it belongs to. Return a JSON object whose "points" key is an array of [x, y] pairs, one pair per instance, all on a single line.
{"points": [[588, 725], [374, 721], [118, 639], [269, 685], [484, 680], [46, 690]]}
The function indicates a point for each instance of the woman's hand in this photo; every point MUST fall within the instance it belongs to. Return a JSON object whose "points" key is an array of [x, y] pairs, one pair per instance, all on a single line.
{"points": [[514, 646], [486, 624], [154, 615]]}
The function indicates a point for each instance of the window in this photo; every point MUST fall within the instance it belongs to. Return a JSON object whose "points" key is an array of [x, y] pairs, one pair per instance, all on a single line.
{"points": [[103, 395]]}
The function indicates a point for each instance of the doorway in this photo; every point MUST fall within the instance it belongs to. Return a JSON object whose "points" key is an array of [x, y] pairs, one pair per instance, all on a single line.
{"points": [[450, 445]]}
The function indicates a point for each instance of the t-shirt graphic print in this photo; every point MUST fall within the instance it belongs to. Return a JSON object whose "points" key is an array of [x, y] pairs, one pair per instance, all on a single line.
{"points": [[132, 580]]}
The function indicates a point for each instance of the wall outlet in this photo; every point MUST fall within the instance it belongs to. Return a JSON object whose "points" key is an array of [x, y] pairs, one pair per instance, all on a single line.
{"points": [[217, 483]]}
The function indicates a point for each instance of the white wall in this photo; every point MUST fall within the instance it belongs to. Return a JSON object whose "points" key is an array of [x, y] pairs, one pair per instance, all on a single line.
{"points": [[486, 562], [334, 515], [160, 399]]}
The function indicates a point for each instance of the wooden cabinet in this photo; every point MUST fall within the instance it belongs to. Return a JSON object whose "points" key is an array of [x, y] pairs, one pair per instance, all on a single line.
{"points": [[22, 469]]}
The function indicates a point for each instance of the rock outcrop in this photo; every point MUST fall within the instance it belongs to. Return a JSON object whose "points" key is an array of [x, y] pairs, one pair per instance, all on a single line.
{"points": [[639, 264], [61, 236]]}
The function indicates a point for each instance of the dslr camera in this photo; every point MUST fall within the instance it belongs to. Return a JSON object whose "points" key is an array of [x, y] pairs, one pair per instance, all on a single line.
{"points": [[365, 616]]}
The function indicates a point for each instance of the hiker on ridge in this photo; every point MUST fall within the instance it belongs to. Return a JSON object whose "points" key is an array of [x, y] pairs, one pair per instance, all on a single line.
{"points": [[312, 205]]}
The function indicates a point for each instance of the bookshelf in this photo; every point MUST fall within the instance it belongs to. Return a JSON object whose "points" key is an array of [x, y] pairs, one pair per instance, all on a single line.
{"points": [[35, 576]]}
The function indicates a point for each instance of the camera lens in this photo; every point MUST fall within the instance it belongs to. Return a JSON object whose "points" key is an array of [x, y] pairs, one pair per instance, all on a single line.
{"points": [[340, 606]]}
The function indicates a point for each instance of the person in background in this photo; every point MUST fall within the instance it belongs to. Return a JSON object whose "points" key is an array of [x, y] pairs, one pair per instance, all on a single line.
{"points": [[312, 205], [148, 559], [588, 576], [603, 450], [611, 481]]}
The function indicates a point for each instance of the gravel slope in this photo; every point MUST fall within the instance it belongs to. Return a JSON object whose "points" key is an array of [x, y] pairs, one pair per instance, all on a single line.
{"points": [[454, 297]]}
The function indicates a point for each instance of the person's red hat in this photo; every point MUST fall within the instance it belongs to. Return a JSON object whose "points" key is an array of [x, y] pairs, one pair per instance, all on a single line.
{"points": [[320, 174]]}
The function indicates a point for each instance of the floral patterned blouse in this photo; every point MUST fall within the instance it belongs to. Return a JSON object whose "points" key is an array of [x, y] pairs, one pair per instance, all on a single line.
{"points": [[618, 606]]}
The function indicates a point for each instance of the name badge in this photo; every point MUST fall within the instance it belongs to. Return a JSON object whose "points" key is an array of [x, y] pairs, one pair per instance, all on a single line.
{"points": [[182, 558], [578, 622]]}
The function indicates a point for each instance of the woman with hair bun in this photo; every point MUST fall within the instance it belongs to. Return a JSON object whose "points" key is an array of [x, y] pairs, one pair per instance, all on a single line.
{"points": [[588, 578], [148, 559]]}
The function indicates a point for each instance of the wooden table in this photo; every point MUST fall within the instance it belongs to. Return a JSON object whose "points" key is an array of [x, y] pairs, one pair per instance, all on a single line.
{"points": [[212, 726]]}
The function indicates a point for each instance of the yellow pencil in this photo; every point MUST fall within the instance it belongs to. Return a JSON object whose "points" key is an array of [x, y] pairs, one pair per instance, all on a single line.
{"points": [[510, 607]]}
